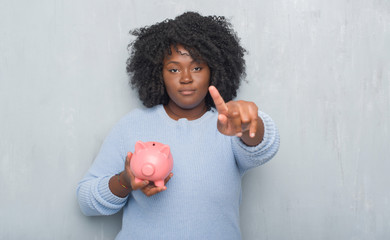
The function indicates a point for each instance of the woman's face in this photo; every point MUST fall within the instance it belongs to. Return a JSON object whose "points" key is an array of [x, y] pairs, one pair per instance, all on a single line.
{"points": [[185, 79]]}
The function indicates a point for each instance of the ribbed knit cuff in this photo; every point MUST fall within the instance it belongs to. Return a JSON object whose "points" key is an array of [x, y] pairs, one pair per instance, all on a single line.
{"points": [[252, 156]]}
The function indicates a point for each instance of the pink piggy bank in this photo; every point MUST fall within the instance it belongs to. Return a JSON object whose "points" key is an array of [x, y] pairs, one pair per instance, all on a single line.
{"points": [[151, 161]]}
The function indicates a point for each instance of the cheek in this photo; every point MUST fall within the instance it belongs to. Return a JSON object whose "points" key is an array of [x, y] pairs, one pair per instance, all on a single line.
{"points": [[168, 87], [206, 79], [168, 82], [207, 74], [164, 78]]}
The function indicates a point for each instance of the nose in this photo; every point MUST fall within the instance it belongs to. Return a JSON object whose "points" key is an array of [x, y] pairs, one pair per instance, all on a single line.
{"points": [[186, 77]]}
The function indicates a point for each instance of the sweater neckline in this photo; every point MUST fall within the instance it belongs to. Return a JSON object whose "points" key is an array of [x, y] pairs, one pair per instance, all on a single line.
{"points": [[164, 114]]}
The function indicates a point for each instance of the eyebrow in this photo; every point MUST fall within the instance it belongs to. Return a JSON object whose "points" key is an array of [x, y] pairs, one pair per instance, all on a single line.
{"points": [[172, 62], [194, 61]]}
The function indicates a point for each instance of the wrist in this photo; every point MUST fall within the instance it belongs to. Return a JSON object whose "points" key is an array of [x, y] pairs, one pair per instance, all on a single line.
{"points": [[122, 180], [117, 186]]}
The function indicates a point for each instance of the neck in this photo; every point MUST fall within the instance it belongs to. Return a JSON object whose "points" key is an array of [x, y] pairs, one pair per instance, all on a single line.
{"points": [[175, 112]]}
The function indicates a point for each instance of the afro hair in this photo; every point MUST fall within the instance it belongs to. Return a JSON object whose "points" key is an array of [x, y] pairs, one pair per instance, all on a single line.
{"points": [[209, 38]]}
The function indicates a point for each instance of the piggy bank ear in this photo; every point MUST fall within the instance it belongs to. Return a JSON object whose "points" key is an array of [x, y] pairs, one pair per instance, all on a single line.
{"points": [[139, 146], [165, 150]]}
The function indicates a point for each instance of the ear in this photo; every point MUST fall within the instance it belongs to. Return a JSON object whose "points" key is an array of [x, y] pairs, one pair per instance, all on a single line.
{"points": [[165, 150], [139, 146]]}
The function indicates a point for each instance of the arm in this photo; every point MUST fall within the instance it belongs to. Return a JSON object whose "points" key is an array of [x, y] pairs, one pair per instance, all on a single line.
{"points": [[257, 138], [248, 157], [93, 191], [102, 191]]}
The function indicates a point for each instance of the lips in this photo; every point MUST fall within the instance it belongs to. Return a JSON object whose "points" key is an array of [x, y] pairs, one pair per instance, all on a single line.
{"points": [[187, 92]]}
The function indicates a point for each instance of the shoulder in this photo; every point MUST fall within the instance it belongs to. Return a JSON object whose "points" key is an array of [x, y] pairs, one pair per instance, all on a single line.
{"points": [[139, 114]]}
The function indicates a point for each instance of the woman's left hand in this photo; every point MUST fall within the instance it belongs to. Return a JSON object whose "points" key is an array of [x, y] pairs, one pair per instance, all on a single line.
{"points": [[239, 118]]}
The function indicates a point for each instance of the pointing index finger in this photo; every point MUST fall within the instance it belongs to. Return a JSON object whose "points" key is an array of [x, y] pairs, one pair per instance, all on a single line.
{"points": [[220, 104]]}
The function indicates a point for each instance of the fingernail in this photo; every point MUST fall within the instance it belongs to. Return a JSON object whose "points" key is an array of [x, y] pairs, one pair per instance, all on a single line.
{"points": [[239, 134], [252, 135], [145, 182]]}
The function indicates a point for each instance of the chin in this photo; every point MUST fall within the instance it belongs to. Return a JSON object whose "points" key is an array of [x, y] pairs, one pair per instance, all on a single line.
{"points": [[188, 107], [189, 103]]}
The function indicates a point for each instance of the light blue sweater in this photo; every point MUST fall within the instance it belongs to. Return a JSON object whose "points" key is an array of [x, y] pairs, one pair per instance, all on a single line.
{"points": [[202, 198]]}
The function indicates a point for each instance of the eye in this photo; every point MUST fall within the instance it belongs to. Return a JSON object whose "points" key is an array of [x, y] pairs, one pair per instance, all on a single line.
{"points": [[197, 69], [173, 70]]}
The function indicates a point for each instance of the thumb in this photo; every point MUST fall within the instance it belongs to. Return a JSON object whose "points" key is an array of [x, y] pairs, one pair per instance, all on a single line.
{"points": [[128, 160], [222, 122]]}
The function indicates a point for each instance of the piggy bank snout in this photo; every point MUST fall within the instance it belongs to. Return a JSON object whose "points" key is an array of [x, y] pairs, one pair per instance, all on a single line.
{"points": [[147, 170]]}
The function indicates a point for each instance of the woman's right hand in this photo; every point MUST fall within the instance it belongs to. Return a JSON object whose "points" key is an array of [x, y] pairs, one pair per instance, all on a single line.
{"points": [[148, 188]]}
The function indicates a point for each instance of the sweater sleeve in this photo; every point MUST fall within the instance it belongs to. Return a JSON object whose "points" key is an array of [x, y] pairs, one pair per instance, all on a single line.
{"points": [[93, 193], [248, 157]]}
